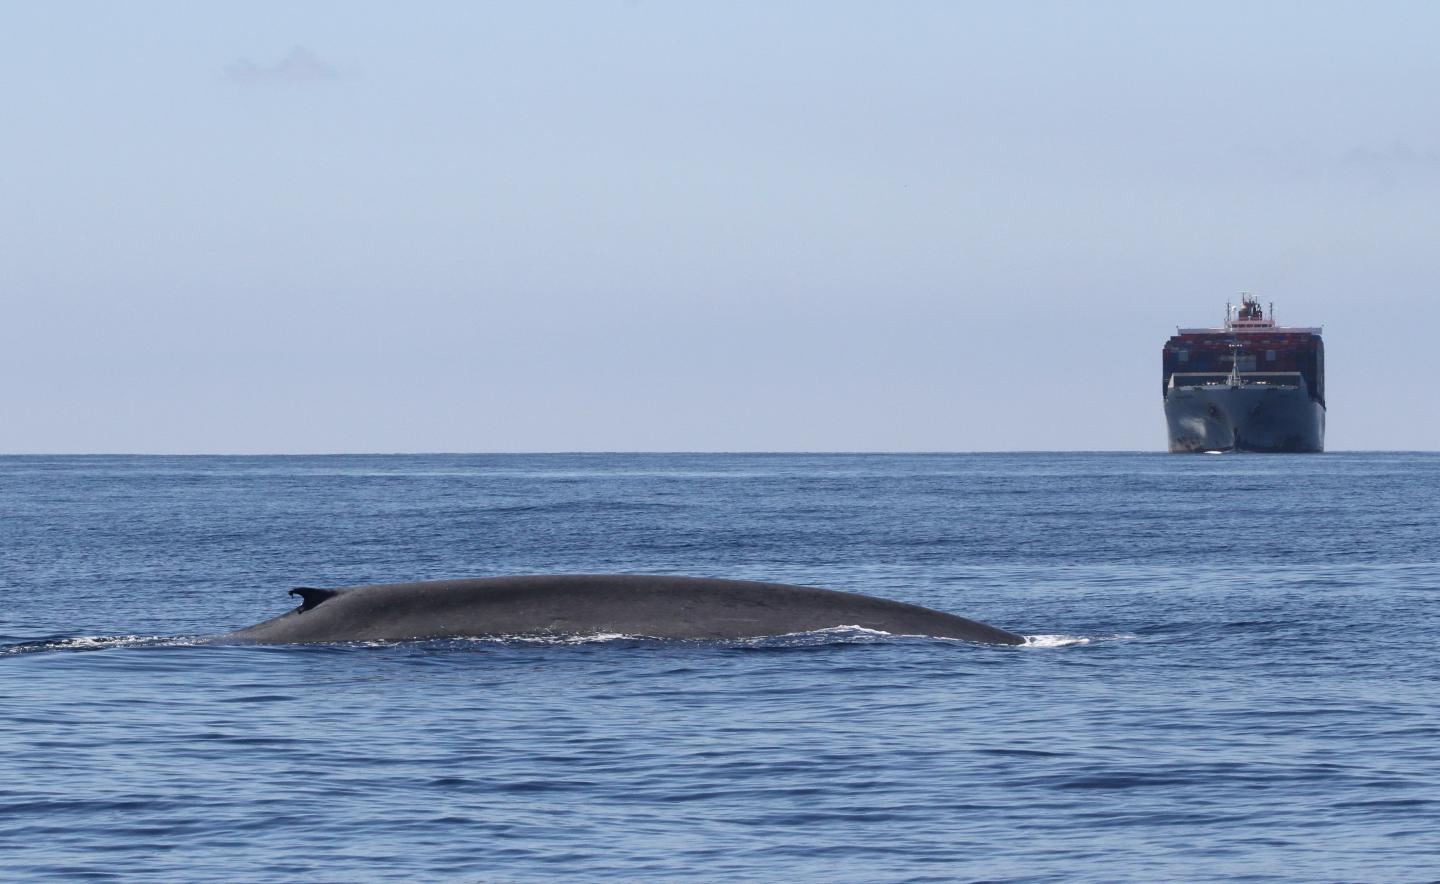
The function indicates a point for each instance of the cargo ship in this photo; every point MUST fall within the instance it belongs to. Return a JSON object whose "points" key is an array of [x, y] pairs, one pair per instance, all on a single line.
{"points": [[1250, 385]]}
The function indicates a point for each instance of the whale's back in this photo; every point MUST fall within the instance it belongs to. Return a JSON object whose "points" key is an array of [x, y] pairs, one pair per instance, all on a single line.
{"points": [[642, 605]]}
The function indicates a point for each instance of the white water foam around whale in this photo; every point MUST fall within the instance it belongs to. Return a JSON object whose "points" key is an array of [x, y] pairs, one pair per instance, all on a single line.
{"points": [[98, 643], [1055, 641], [1065, 641]]}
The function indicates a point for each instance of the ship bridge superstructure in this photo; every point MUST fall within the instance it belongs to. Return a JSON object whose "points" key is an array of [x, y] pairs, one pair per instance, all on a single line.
{"points": [[1249, 318]]}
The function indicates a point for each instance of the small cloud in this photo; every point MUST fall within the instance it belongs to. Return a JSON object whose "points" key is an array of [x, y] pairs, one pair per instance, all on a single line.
{"points": [[1400, 161], [299, 65]]}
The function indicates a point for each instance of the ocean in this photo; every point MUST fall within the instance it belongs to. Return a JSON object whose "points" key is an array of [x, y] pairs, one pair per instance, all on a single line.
{"points": [[1231, 671]]}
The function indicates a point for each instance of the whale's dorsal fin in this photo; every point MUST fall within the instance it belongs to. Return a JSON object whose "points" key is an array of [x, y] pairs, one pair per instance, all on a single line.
{"points": [[311, 597]]}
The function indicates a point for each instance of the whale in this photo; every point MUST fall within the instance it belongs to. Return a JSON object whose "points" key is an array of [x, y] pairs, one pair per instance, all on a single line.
{"points": [[579, 605]]}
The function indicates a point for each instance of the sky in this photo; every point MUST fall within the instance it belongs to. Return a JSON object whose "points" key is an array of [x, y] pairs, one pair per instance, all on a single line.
{"points": [[279, 227]]}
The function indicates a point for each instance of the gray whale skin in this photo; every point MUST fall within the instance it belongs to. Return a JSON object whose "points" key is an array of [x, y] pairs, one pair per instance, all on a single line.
{"points": [[580, 605]]}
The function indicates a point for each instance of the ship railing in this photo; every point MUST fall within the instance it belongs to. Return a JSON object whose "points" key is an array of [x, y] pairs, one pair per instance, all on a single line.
{"points": [[1247, 378], [1271, 329]]}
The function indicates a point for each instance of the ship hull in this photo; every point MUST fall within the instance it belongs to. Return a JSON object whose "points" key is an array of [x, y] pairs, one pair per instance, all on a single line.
{"points": [[1244, 418]]}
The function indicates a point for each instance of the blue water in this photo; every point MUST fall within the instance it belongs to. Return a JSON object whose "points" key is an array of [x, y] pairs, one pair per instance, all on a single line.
{"points": [[1233, 671]]}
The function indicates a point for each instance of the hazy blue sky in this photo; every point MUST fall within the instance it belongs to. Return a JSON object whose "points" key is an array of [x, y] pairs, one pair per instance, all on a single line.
{"points": [[297, 227]]}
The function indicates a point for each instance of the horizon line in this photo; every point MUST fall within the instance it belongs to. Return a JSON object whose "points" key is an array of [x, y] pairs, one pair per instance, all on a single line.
{"points": [[667, 452]]}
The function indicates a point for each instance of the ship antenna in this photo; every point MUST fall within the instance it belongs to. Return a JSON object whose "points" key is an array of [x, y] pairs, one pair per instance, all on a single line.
{"points": [[1234, 379]]}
